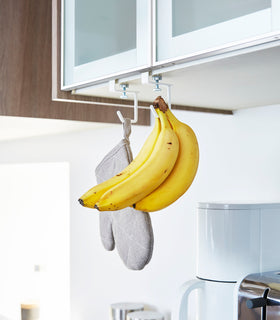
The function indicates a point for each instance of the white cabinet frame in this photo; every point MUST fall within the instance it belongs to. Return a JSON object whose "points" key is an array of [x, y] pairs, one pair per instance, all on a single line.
{"points": [[260, 27], [268, 30], [76, 75]]}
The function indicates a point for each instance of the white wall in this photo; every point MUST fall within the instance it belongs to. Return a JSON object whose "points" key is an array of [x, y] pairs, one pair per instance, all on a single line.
{"points": [[239, 161], [34, 231]]}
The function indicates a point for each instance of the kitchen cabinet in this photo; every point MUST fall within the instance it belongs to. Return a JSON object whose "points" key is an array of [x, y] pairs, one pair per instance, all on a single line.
{"points": [[209, 53], [192, 27], [104, 38], [30, 69], [109, 39]]}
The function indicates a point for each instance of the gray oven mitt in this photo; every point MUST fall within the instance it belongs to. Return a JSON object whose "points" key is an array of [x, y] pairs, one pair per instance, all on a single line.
{"points": [[130, 230]]}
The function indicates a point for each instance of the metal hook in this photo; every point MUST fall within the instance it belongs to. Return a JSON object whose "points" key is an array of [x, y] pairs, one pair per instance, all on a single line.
{"points": [[112, 87], [119, 114]]}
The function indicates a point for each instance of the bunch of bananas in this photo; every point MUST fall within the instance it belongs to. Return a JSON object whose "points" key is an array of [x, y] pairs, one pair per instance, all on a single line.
{"points": [[161, 173]]}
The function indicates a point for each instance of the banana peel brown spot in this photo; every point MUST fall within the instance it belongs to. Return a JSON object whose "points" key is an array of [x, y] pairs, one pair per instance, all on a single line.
{"points": [[119, 174], [169, 142]]}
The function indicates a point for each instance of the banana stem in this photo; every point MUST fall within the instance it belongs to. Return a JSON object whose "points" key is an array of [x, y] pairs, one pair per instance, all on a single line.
{"points": [[160, 104]]}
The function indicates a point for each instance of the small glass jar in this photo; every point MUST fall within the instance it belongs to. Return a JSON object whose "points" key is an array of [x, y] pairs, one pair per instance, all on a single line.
{"points": [[119, 311], [145, 315], [30, 311]]}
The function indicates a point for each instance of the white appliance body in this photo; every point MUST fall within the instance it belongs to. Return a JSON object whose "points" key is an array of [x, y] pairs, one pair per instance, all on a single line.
{"points": [[237, 239], [233, 240]]}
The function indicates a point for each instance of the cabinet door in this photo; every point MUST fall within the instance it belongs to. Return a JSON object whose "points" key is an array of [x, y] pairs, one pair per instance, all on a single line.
{"points": [[101, 39], [190, 27]]}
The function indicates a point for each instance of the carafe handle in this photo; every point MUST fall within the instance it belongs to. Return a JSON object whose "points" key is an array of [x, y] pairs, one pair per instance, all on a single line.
{"points": [[181, 306]]}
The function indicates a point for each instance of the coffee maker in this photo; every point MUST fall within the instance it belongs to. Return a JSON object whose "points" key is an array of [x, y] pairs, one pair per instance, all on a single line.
{"points": [[234, 240]]}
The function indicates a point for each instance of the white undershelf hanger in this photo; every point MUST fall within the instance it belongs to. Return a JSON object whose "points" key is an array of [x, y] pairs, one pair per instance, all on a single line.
{"points": [[124, 95], [144, 80]]}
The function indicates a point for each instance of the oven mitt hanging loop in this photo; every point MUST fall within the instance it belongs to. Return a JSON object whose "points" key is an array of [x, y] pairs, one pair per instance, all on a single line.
{"points": [[129, 230]]}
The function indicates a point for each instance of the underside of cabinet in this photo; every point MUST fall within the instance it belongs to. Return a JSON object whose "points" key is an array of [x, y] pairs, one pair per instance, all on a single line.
{"points": [[221, 85]]}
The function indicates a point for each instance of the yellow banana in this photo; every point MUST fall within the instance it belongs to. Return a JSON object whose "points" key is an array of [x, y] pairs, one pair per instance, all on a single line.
{"points": [[149, 176], [90, 198], [183, 173]]}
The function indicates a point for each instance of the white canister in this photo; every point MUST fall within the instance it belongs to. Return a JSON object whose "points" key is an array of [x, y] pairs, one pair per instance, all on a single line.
{"points": [[237, 239]]}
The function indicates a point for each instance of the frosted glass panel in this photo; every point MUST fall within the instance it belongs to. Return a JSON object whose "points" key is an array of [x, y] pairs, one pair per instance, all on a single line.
{"points": [[103, 28], [191, 15]]}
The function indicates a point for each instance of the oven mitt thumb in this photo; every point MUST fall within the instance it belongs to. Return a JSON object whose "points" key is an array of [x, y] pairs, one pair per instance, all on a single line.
{"points": [[127, 229]]}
